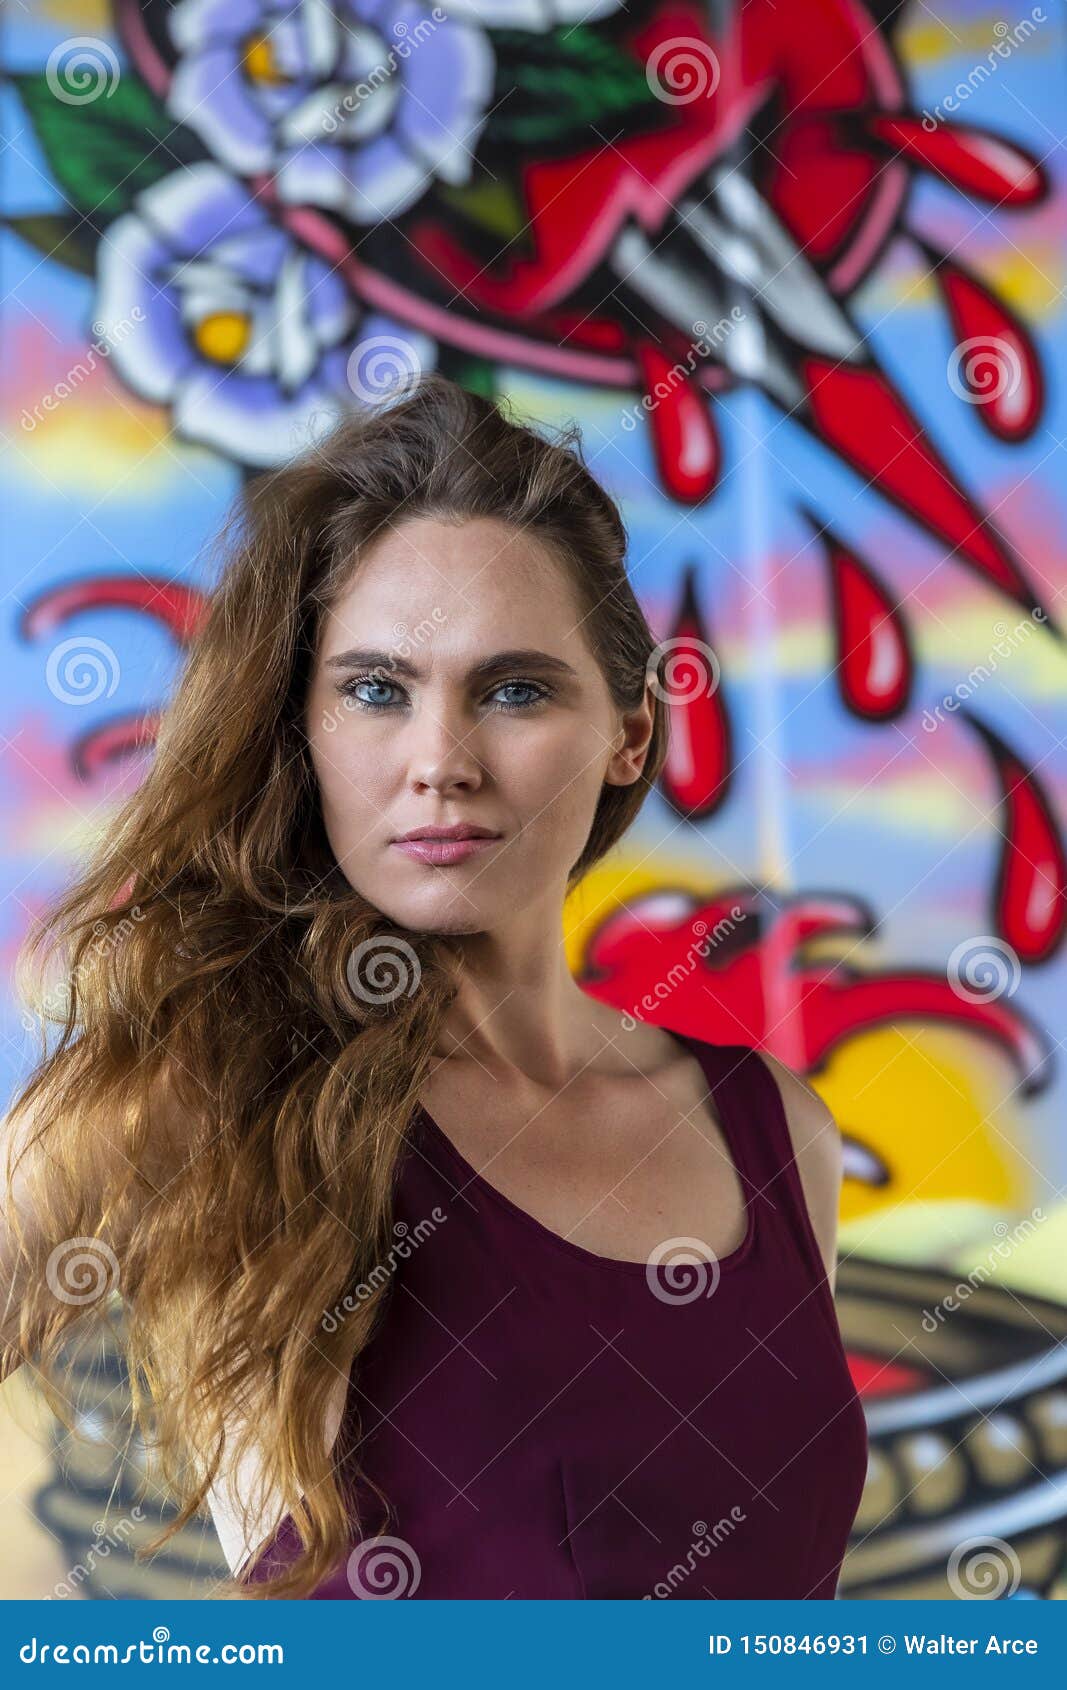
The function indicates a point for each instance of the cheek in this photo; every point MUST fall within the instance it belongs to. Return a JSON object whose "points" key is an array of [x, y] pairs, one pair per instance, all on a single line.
{"points": [[557, 773], [347, 783]]}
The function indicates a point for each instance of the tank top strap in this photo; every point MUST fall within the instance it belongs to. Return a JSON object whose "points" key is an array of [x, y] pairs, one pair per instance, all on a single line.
{"points": [[749, 1101]]}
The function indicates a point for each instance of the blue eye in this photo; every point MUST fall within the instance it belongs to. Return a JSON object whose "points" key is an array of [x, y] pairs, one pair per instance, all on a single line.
{"points": [[375, 683], [522, 686]]}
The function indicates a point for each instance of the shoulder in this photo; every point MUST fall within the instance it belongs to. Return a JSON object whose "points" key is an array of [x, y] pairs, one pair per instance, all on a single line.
{"points": [[816, 1141]]}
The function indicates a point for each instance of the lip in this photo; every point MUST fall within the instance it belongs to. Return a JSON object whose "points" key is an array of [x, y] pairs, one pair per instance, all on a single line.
{"points": [[442, 852], [444, 845], [457, 830]]}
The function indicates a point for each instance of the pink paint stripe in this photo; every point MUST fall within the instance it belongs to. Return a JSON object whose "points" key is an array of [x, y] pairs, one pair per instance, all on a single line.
{"points": [[140, 46], [328, 241]]}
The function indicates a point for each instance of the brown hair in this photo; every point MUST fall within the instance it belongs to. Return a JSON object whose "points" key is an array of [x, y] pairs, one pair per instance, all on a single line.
{"points": [[206, 957]]}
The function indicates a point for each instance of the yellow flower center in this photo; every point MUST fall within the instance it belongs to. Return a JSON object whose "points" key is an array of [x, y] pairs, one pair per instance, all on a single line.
{"points": [[259, 61], [223, 336]]}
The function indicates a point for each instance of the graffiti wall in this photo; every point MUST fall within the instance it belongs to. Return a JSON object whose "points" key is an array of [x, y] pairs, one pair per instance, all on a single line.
{"points": [[798, 271]]}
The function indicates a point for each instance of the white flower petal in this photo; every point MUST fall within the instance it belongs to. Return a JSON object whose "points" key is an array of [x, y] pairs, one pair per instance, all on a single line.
{"points": [[294, 347], [244, 418], [150, 358]]}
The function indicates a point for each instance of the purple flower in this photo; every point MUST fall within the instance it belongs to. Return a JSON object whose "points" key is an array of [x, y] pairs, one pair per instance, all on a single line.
{"points": [[253, 339], [353, 105]]}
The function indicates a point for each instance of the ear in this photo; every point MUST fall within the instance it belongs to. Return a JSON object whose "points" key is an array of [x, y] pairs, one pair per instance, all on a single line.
{"points": [[632, 742]]}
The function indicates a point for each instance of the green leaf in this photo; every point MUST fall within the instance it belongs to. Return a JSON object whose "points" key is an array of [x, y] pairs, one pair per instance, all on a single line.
{"points": [[60, 236], [551, 89], [492, 204], [104, 152], [478, 375]]}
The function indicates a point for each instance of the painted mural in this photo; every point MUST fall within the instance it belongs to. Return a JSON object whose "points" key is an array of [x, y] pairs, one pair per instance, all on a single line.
{"points": [[798, 270]]}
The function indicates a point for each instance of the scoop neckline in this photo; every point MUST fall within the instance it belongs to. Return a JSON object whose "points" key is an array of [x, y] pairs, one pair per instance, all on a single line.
{"points": [[703, 1052]]}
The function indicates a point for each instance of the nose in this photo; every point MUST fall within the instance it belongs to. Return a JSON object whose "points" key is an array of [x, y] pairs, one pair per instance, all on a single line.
{"points": [[443, 758]]}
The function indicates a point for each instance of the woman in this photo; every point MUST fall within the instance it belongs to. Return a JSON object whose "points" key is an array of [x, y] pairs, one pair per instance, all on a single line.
{"points": [[397, 1209]]}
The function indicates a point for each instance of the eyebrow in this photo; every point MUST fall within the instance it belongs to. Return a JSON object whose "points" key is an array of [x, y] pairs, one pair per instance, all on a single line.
{"points": [[521, 657]]}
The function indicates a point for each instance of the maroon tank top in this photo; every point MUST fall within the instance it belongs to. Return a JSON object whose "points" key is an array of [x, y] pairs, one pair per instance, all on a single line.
{"points": [[547, 1422]]}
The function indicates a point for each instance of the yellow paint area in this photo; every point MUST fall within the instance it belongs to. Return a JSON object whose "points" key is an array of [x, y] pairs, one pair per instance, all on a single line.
{"points": [[935, 1103], [96, 440], [1021, 1248], [929, 41]]}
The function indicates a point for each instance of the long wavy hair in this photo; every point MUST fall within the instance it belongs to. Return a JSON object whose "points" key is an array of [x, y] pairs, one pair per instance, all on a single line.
{"points": [[205, 979]]}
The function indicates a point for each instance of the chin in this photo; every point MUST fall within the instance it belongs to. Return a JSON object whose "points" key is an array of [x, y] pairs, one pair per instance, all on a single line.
{"points": [[439, 912]]}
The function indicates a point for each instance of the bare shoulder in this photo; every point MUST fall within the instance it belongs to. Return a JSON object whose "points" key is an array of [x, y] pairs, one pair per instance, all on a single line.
{"points": [[816, 1142]]}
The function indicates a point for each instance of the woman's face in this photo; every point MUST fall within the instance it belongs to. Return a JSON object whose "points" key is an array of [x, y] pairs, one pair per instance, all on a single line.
{"points": [[417, 717]]}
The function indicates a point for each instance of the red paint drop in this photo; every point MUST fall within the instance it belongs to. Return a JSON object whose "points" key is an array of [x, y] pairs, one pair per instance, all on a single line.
{"points": [[859, 414], [684, 438], [696, 772], [995, 364], [971, 159], [1030, 898], [874, 666]]}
